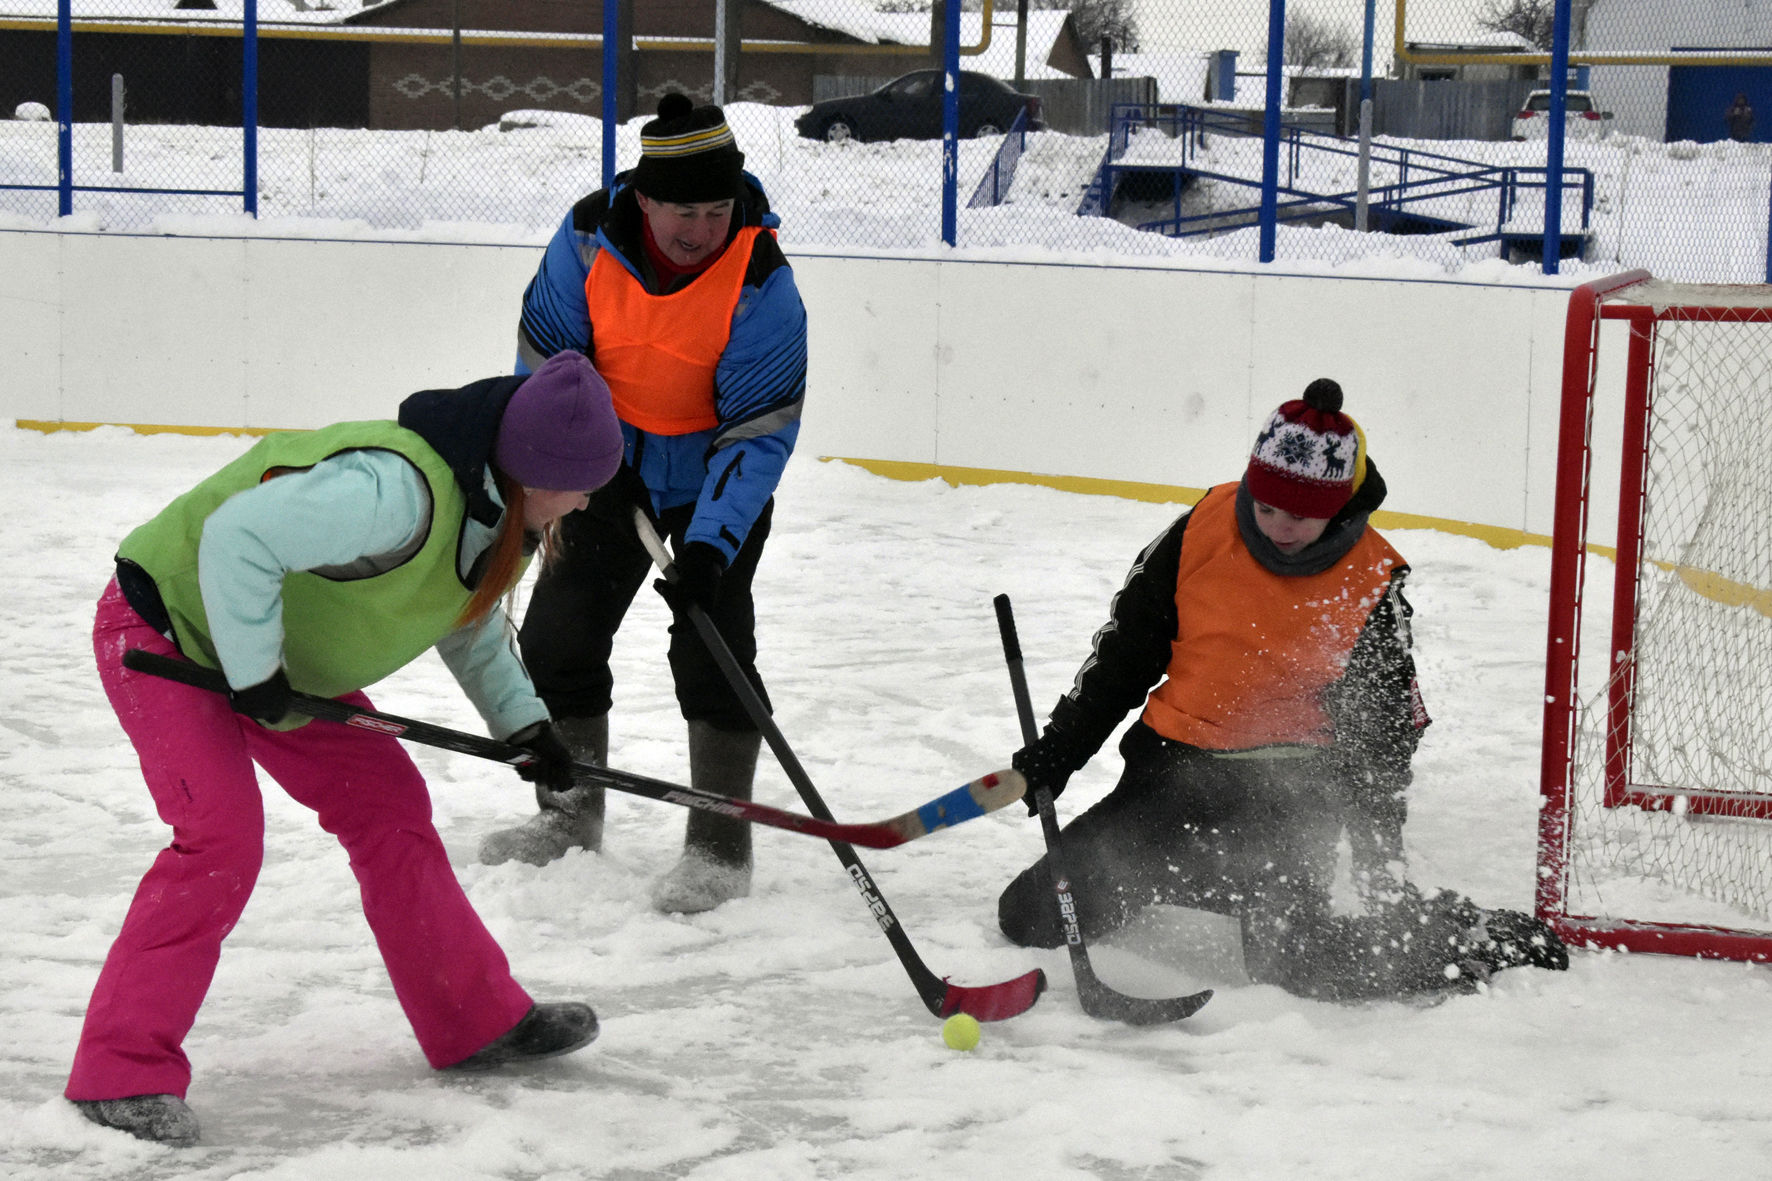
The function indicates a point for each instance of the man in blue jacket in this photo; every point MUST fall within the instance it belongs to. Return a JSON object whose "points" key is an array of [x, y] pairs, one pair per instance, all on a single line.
{"points": [[671, 280]]}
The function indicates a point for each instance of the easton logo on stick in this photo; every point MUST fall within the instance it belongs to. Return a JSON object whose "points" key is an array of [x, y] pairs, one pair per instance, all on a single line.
{"points": [[1067, 913]]}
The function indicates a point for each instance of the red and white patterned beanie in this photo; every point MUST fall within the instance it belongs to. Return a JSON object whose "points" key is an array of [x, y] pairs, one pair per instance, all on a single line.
{"points": [[1310, 457]]}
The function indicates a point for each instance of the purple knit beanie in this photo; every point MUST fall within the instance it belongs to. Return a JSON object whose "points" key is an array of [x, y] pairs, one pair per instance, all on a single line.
{"points": [[559, 430]]}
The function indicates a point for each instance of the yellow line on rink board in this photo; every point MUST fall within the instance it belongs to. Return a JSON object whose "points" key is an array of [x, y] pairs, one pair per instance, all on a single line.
{"points": [[1726, 591], [893, 469], [1495, 535], [50, 426]]}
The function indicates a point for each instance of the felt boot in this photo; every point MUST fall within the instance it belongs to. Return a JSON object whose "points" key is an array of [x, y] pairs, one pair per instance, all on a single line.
{"points": [[716, 861], [566, 820], [1513, 939], [163, 1119], [546, 1031]]}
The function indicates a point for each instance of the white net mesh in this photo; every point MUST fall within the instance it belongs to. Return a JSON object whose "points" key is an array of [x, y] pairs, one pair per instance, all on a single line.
{"points": [[1679, 830]]}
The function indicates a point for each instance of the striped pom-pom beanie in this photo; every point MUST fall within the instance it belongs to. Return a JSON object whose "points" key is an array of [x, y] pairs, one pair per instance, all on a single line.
{"points": [[688, 155]]}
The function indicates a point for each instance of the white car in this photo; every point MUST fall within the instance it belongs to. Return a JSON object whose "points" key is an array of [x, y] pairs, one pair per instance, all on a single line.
{"points": [[1581, 119]]}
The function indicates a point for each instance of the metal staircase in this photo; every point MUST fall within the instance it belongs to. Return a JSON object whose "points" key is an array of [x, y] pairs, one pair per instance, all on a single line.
{"points": [[1158, 147]]}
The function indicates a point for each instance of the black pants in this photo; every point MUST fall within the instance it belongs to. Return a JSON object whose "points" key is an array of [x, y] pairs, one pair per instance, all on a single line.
{"points": [[581, 598], [1251, 838]]}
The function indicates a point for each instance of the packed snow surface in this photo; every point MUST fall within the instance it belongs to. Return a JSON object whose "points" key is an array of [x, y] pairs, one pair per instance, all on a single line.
{"points": [[778, 1036]]}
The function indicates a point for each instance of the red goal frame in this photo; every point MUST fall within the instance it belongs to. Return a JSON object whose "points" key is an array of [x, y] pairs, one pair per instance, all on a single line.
{"points": [[1624, 297]]}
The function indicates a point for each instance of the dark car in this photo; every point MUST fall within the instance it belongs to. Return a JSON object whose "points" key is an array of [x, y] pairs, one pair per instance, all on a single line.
{"points": [[910, 108]]}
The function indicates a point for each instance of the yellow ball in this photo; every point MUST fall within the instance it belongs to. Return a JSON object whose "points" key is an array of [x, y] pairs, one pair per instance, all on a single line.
{"points": [[960, 1031]]}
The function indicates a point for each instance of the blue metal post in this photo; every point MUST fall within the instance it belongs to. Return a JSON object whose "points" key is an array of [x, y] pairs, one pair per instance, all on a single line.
{"points": [[1366, 55], [950, 124], [64, 106], [611, 23], [1270, 128], [1553, 163], [249, 108]]}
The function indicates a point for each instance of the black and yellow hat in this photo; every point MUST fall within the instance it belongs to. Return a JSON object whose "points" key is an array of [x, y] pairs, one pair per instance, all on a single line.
{"points": [[688, 155]]}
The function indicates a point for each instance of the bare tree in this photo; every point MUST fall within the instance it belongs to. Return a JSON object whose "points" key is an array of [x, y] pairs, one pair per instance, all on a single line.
{"points": [[1116, 20], [1531, 19], [1314, 41], [1113, 20]]}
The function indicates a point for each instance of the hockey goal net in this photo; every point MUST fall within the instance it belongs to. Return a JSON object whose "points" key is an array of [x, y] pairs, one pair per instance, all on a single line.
{"points": [[1656, 827]]}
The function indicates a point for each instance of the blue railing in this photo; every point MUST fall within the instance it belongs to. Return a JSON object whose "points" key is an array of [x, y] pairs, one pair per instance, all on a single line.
{"points": [[1422, 176], [993, 186]]}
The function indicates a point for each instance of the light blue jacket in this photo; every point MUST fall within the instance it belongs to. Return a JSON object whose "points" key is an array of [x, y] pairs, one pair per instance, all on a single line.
{"points": [[345, 510]]}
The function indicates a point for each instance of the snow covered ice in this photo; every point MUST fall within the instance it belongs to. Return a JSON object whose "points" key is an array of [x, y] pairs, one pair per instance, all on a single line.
{"points": [[778, 1037]]}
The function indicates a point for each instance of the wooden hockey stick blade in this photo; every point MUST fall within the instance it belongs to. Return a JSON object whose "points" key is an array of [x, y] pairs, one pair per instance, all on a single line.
{"points": [[974, 799], [1095, 997], [987, 793], [990, 1002]]}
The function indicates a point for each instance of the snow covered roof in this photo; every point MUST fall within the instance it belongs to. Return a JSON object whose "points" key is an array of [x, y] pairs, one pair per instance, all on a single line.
{"points": [[1181, 77], [861, 21], [1483, 43], [307, 12]]}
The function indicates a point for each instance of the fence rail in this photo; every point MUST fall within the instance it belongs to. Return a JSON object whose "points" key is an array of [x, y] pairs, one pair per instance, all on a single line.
{"points": [[398, 125]]}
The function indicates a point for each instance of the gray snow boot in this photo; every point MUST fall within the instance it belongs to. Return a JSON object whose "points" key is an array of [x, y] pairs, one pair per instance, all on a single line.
{"points": [[716, 861], [571, 819], [163, 1119]]}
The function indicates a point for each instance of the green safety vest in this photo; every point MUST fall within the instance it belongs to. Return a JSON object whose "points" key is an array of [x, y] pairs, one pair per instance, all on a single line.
{"points": [[343, 629]]}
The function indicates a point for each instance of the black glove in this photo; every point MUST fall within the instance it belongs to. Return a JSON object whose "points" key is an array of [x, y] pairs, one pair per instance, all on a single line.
{"points": [[699, 567], [552, 767], [1049, 762], [267, 702]]}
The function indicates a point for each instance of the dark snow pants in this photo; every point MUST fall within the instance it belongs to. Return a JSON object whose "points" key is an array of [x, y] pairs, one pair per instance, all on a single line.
{"points": [[581, 598], [1250, 837]]}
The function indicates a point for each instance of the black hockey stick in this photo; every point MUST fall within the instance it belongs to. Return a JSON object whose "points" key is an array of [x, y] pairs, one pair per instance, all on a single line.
{"points": [[1097, 999], [990, 1002], [974, 799]]}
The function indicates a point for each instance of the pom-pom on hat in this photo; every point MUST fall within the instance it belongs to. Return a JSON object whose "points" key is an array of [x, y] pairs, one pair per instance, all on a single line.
{"points": [[1310, 457], [559, 431], [688, 155]]}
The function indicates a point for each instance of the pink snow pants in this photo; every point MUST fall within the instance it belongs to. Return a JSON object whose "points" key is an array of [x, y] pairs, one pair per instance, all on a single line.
{"points": [[449, 975]]}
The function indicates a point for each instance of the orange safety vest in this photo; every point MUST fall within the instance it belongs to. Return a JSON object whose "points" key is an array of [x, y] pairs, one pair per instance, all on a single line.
{"points": [[1255, 650], [659, 352]]}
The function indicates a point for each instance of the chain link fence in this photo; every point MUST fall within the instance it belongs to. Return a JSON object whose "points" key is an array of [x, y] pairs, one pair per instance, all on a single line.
{"points": [[1134, 127], [158, 122]]}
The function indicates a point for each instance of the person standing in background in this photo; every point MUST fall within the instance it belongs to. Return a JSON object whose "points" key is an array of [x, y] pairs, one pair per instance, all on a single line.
{"points": [[1740, 118], [672, 281]]}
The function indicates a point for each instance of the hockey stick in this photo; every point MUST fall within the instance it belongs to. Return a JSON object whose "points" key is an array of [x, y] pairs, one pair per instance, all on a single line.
{"points": [[990, 1002], [976, 798], [1097, 999]]}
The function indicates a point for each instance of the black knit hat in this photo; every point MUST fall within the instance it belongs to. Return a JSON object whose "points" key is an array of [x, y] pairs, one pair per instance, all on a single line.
{"points": [[688, 155]]}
